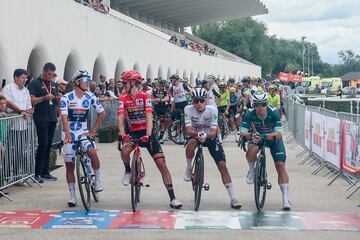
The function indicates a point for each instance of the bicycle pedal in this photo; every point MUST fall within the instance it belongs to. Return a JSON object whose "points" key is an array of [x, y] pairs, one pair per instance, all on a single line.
{"points": [[206, 187], [268, 186]]}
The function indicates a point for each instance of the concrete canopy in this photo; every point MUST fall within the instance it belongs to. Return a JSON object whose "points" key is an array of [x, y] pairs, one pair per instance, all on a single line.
{"points": [[184, 13]]}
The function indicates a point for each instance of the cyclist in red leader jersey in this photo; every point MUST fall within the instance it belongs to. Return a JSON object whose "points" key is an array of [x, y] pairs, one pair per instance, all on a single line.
{"points": [[135, 108]]}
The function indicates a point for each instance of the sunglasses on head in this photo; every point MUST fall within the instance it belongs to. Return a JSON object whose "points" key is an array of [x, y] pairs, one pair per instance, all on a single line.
{"points": [[260, 105], [199, 100]]}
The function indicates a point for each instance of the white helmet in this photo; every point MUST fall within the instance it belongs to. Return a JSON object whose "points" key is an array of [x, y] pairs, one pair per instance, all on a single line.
{"points": [[199, 93], [80, 74], [260, 97]]}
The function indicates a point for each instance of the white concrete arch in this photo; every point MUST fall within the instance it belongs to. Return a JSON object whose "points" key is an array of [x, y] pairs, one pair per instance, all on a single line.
{"points": [[149, 73], [160, 73], [119, 69], [5, 72], [223, 77], [169, 73], [199, 76], [177, 71], [99, 68], [72, 64], [136, 67], [205, 75], [184, 75], [192, 79], [37, 59]]}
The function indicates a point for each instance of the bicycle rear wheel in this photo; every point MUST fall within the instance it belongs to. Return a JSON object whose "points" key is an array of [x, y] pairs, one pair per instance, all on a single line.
{"points": [[176, 133], [198, 179], [83, 182], [260, 182], [135, 184]]}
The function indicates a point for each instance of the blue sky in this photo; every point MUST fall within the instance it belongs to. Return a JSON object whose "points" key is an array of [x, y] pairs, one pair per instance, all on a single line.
{"points": [[333, 25]]}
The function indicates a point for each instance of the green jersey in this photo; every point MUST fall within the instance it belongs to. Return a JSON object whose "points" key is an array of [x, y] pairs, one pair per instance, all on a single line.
{"points": [[271, 123]]}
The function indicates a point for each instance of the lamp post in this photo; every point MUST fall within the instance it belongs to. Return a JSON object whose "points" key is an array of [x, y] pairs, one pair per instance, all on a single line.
{"points": [[308, 57], [303, 55]]}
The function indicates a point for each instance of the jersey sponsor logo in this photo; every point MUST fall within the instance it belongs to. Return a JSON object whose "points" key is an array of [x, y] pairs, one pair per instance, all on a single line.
{"points": [[86, 103], [121, 104], [194, 119], [73, 104], [139, 102], [63, 104], [148, 102]]}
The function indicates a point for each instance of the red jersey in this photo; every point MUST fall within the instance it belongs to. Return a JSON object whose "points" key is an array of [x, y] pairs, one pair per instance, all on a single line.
{"points": [[135, 108]]}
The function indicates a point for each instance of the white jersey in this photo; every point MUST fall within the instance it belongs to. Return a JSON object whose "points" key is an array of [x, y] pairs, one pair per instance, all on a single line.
{"points": [[201, 122], [179, 93], [211, 97]]}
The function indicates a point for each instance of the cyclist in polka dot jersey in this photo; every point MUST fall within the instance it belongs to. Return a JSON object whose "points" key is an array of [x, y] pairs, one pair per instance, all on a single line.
{"points": [[75, 107]]}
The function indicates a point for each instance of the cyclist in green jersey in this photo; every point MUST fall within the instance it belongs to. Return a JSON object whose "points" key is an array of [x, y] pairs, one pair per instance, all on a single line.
{"points": [[223, 101], [267, 123]]}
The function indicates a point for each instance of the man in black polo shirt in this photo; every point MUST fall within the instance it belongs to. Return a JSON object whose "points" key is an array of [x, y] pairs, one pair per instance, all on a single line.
{"points": [[44, 97]]}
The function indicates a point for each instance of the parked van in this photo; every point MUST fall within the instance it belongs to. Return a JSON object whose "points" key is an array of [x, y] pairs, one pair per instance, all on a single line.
{"points": [[331, 84]]}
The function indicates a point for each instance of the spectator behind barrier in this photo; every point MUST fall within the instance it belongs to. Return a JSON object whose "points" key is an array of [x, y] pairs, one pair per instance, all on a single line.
{"points": [[99, 6]]}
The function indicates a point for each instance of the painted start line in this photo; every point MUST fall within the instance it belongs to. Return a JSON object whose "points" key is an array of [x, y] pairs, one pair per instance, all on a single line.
{"points": [[221, 220]]}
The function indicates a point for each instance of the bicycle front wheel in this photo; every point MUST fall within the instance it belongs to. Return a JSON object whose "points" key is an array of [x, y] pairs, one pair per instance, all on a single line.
{"points": [[83, 182], [198, 179], [260, 182], [135, 183], [176, 132]]}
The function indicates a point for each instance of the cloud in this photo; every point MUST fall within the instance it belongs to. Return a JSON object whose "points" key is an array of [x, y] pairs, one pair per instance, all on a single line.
{"points": [[331, 24]]}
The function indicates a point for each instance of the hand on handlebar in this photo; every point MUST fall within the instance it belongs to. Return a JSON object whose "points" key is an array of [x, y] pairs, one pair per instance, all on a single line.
{"points": [[202, 136], [145, 139], [125, 138]]}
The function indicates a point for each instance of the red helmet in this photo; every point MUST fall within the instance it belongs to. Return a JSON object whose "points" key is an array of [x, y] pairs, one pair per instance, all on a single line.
{"points": [[131, 75]]}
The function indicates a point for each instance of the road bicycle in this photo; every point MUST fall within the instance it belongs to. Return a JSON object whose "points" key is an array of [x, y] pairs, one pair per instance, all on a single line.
{"points": [[85, 174], [197, 176], [176, 130]]}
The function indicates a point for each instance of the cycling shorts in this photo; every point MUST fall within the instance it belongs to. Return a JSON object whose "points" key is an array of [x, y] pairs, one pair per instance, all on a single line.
{"points": [[215, 149], [222, 109], [153, 146], [70, 150], [277, 149], [232, 111]]}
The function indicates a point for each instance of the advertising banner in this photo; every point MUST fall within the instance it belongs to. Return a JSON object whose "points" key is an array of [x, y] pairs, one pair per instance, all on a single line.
{"points": [[307, 129], [317, 139], [332, 141], [288, 77], [350, 147]]}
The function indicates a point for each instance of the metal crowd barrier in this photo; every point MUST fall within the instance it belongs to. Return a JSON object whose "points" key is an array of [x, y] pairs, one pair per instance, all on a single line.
{"points": [[17, 151], [295, 134]]}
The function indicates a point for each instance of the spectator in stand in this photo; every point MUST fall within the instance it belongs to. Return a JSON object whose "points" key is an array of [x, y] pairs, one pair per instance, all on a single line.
{"points": [[206, 48], [99, 6], [44, 96], [97, 92], [173, 39], [103, 95], [103, 81], [92, 86], [111, 81]]}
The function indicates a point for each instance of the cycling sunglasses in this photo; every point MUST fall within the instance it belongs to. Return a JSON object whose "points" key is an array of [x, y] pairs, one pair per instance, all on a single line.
{"points": [[260, 105], [199, 100], [85, 79]]}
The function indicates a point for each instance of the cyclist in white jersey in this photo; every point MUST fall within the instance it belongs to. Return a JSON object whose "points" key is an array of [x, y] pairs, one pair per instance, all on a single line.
{"points": [[212, 90], [75, 107], [178, 91], [201, 123]]}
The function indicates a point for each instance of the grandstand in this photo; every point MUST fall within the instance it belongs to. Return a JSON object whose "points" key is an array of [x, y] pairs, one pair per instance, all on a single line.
{"points": [[134, 35]]}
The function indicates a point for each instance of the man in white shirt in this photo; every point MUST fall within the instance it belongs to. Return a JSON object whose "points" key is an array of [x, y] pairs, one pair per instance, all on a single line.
{"points": [[19, 96]]}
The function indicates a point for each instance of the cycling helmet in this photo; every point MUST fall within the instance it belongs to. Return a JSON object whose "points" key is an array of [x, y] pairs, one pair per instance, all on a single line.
{"points": [[184, 80], [273, 87], [162, 81], [260, 97], [80, 74], [131, 75], [231, 81], [175, 77], [199, 93], [246, 80], [232, 89], [239, 84], [222, 84]]}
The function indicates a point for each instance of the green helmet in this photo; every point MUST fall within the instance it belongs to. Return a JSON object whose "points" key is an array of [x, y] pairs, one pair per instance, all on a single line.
{"points": [[184, 80]]}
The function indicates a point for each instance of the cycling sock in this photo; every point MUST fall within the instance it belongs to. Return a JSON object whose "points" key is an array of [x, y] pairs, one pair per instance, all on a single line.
{"points": [[72, 189], [127, 168], [230, 189], [97, 174], [284, 189], [161, 135], [251, 166], [188, 163], [170, 190]]}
